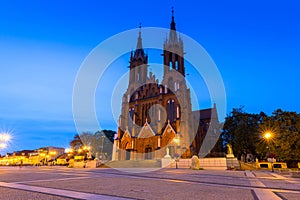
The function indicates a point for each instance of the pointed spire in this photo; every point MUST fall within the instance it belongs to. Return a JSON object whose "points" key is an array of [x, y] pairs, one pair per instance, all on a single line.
{"points": [[173, 34], [139, 42], [173, 21]]}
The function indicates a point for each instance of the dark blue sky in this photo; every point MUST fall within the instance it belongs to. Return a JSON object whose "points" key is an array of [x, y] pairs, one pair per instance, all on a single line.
{"points": [[255, 45]]}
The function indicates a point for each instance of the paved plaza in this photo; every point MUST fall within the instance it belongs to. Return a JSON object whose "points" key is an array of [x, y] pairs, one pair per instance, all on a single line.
{"points": [[105, 183]]}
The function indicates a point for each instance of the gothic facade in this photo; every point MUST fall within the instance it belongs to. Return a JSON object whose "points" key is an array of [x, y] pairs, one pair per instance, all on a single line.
{"points": [[156, 115]]}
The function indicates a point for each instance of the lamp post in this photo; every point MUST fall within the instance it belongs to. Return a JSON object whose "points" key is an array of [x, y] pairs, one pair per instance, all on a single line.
{"points": [[268, 135], [176, 155], [102, 146]]}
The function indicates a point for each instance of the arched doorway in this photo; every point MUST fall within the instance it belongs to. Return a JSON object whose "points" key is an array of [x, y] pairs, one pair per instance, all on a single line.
{"points": [[148, 152], [127, 154], [127, 151]]}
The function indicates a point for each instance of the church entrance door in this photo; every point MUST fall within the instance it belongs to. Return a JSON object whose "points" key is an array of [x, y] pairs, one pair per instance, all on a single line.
{"points": [[148, 153], [127, 154]]}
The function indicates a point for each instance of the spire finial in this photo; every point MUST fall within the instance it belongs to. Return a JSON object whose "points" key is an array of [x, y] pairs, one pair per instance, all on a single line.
{"points": [[140, 29], [139, 43], [173, 21]]}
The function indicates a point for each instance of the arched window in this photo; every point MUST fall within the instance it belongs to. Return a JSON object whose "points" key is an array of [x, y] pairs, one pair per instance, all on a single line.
{"points": [[131, 114], [143, 115], [177, 112], [171, 110], [158, 114]]}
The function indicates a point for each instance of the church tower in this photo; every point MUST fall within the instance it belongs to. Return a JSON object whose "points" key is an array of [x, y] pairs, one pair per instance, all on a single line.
{"points": [[175, 82], [138, 63], [137, 78], [173, 51]]}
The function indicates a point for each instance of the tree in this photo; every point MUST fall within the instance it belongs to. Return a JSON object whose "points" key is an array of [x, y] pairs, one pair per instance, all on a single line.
{"points": [[99, 143], [106, 140], [241, 131], [245, 133], [76, 143], [285, 142]]}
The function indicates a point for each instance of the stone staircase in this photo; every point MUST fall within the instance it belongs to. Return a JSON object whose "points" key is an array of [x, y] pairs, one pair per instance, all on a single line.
{"points": [[134, 164]]}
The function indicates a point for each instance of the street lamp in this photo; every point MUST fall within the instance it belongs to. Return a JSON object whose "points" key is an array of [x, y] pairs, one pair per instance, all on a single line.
{"points": [[5, 137], [176, 140], [176, 155], [3, 145], [102, 137], [268, 135]]}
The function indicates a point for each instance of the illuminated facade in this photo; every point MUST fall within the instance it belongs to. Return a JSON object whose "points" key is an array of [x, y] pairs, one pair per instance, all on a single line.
{"points": [[156, 115]]}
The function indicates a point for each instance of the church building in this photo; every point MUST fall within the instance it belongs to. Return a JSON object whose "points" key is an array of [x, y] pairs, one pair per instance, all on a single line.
{"points": [[158, 115]]}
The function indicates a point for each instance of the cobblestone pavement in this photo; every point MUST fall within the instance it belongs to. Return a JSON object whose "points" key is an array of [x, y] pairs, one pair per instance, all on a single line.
{"points": [[66, 183]]}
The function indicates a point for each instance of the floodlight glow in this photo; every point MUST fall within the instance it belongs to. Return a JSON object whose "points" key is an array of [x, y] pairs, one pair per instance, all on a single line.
{"points": [[3, 145], [268, 135]]}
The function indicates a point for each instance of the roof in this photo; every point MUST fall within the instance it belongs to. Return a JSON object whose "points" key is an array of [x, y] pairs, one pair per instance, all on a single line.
{"points": [[63, 156], [204, 114]]}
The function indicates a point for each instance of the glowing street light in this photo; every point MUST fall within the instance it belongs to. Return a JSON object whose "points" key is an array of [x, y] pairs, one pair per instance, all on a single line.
{"points": [[68, 150], [268, 135], [176, 140], [52, 153], [87, 148], [3, 145], [5, 137]]}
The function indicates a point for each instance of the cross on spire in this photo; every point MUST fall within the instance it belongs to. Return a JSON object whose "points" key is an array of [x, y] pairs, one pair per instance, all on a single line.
{"points": [[173, 21], [139, 43]]}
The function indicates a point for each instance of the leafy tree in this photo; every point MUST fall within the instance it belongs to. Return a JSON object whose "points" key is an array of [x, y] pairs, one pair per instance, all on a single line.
{"points": [[285, 142], [106, 140], [76, 143], [99, 143], [245, 133], [241, 131]]}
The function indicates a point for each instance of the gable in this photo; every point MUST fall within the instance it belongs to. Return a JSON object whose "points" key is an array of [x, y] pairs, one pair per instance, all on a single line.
{"points": [[126, 135], [169, 129], [146, 131]]}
